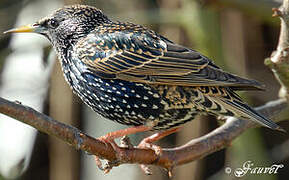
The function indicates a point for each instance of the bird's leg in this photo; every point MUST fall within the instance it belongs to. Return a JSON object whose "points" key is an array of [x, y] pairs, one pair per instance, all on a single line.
{"points": [[147, 142], [109, 139]]}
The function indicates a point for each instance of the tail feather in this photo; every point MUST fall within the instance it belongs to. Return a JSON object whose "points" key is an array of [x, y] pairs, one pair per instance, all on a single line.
{"points": [[224, 101], [246, 111]]}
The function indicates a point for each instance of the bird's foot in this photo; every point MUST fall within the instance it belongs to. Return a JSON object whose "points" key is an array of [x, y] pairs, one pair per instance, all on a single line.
{"points": [[107, 166], [108, 139], [120, 153], [147, 143]]}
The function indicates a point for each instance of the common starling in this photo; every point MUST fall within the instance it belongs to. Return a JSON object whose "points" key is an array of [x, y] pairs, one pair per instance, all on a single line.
{"points": [[134, 76]]}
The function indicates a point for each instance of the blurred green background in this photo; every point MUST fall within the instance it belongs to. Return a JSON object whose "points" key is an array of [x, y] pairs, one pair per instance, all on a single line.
{"points": [[237, 34]]}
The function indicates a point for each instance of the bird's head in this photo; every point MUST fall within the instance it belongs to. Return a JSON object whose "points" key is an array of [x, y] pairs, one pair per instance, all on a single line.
{"points": [[66, 25]]}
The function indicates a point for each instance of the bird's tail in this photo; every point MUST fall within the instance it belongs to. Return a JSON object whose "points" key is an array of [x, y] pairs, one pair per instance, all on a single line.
{"points": [[246, 112], [225, 101]]}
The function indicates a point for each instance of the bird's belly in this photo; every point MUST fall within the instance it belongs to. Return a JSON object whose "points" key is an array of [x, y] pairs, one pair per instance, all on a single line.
{"points": [[132, 103]]}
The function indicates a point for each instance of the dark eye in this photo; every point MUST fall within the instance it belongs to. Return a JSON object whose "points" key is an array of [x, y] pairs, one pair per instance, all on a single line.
{"points": [[52, 23]]}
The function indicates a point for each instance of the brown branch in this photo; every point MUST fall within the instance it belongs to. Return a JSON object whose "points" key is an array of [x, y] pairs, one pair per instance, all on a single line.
{"points": [[279, 60], [195, 149]]}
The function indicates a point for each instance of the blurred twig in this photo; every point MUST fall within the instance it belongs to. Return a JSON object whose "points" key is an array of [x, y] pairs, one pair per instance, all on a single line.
{"points": [[279, 60]]}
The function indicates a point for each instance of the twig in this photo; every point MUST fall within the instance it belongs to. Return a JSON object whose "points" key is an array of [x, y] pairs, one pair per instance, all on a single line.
{"points": [[171, 157], [279, 60]]}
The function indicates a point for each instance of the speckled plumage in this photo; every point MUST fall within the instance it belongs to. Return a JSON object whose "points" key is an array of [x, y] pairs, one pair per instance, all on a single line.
{"points": [[131, 75]]}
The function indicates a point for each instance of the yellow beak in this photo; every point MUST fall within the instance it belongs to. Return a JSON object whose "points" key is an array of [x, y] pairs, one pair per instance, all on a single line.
{"points": [[27, 28]]}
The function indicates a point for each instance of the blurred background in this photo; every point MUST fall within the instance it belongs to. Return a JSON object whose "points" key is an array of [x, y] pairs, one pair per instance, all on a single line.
{"points": [[237, 34]]}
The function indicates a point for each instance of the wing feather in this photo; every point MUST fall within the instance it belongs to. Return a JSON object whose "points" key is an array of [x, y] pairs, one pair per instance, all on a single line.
{"points": [[143, 56]]}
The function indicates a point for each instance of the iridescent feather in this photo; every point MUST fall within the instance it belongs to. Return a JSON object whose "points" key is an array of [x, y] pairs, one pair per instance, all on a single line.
{"points": [[131, 52]]}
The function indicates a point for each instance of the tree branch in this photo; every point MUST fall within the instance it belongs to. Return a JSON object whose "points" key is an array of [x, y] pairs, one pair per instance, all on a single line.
{"points": [[171, 157], [279, 60]]}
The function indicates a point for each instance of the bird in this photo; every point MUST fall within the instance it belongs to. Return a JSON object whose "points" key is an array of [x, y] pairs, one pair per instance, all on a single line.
{"points": [[132, 75]]}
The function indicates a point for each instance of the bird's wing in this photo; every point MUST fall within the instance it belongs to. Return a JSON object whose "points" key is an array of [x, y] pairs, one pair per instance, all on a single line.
{"points": [[142, 56]]}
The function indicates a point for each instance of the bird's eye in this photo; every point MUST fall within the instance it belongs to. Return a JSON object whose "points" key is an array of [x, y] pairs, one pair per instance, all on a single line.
{"points": [[53, 23]]}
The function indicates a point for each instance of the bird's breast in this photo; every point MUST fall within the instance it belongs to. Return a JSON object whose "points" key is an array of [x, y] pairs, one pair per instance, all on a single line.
{"points": [[123, 101]]}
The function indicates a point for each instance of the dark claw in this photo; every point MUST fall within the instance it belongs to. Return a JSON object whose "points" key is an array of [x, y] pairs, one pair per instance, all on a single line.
{"points": [[125, 142], [146, 169]]}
